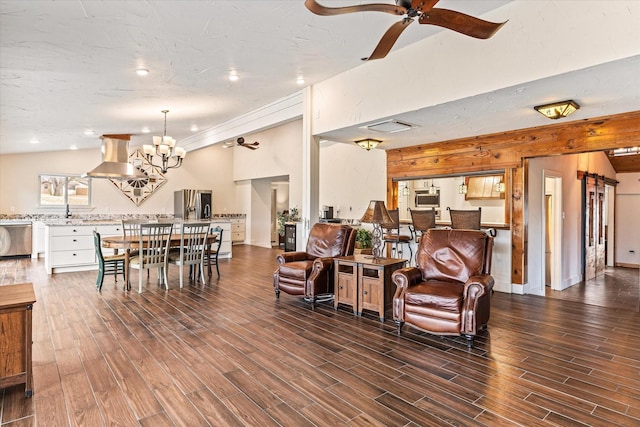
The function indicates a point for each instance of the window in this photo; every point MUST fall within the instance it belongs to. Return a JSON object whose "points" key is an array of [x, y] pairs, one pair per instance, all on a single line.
{"points": [[62, 190]]}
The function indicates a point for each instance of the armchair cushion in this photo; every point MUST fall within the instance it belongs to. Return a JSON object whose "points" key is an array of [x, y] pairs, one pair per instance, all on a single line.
{"points": [[453, 256]]}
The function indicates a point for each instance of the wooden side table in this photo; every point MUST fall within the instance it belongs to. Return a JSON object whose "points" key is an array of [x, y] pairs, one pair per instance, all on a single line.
{"points": [[16, 303], [365, 283]]}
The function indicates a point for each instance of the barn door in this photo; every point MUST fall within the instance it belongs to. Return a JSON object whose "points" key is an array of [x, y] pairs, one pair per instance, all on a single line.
{"points": [[593, 225]]}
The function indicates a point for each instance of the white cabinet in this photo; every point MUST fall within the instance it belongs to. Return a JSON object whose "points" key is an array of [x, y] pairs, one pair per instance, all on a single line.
{"points": [[225, 248], [69, 248], [38, 231], [237, 230]]}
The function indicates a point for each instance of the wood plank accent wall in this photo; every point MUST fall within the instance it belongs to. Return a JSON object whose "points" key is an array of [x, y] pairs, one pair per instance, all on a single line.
{"points": [[508, 150]]}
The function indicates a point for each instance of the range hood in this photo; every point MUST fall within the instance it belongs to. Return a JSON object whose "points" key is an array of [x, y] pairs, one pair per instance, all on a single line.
{"points": [[115, 160]]}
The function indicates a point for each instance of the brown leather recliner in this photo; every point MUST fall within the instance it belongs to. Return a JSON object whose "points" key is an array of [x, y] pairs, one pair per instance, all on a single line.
{"points": [[310, 273], [449, 292]]}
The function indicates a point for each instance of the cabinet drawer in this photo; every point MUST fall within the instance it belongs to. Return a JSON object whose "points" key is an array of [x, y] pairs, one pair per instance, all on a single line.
{"points": [[72, 243], [71, 231], [61, 258], [237, 227], [237, 236], [109, 230]]}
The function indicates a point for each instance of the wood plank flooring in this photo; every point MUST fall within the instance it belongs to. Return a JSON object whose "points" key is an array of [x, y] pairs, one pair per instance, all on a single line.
{"points": [[229, 354]]}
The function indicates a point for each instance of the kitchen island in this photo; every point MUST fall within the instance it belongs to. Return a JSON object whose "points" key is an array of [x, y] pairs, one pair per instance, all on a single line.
{"points": [[68, 244]]}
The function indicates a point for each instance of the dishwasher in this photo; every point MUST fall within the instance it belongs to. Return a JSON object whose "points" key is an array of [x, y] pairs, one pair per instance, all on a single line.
{"points": [[15, 238]]}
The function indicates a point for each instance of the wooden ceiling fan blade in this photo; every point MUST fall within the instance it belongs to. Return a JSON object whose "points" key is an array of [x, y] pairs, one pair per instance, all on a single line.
{"points": [[319, 9], [423, 5], [389, 39], [461, 23]]}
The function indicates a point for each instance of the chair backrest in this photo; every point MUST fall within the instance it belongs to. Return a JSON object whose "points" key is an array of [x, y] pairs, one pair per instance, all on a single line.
{"points": [[395, 217], [423, 219], [454, 255], [217, 230], [98, 245], [330, 240], [465, 219], [131, 227], [193, 238], [154, 244]]}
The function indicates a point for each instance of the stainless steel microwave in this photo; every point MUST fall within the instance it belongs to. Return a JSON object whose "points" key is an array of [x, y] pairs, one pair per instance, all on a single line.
{"points": [[426, 200]]}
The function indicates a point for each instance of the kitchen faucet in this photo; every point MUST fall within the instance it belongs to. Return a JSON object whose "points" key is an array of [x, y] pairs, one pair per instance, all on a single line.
{"points": [[68, 213]]}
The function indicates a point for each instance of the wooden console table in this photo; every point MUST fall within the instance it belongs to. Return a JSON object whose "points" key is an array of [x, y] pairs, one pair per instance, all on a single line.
{"points": [[365, 283], [16, 303]]}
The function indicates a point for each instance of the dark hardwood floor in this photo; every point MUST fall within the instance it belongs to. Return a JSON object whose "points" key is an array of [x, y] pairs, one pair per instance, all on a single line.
{"points": [[228, 353]]}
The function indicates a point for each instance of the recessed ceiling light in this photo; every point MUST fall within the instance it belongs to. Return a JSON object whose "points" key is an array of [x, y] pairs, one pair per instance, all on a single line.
{"points": [[89, 132], [73, 147], [35, 141], [194, 128], [300, 79], [146, 130], [142, 71], [233, 76]]}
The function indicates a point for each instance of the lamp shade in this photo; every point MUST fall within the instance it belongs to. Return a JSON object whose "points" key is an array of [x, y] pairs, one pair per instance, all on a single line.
{"points": [[376, 213]]}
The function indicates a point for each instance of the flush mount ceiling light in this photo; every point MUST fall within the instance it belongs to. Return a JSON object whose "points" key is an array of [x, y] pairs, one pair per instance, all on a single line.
{"points": [[142, 71], [557, 110], [233, 76], [89, 132], [300, 79], [390, 126], [146, 130], [34, 141], [624, 151], [368, 143]]}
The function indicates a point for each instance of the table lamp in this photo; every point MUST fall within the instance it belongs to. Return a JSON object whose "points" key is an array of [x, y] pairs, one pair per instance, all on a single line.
{"points": [[376, 214]]}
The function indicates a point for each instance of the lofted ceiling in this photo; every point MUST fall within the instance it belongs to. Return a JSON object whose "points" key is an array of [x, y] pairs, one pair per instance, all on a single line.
{"points": [[68, 67]]}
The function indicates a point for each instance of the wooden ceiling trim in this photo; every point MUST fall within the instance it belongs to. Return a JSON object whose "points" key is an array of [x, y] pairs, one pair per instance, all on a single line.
{"points": [[508, 149]]}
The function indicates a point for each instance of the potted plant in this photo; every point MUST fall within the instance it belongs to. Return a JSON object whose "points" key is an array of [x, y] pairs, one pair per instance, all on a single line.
{"points": [[287, 216], [363, 241]]}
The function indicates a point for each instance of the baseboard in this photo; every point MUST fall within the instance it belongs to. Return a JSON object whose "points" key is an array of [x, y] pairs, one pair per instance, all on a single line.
{"points": [[627, 265]]}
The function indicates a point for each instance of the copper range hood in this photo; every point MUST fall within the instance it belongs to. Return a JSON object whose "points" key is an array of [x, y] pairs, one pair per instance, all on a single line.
{"points": [[115, 160]]}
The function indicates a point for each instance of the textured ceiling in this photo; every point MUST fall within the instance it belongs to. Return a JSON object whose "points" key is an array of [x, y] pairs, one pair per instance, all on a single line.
{"points": [[68, 66]]}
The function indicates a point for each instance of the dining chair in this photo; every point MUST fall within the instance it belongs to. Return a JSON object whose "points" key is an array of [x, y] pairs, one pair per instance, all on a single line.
{"points": [[392, 234], [107, 265], [213, 253], [154, 249], [193, 243], [465, 219]]}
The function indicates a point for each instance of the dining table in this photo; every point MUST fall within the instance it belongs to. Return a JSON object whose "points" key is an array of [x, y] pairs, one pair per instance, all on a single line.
{"points": [[129, 243]]}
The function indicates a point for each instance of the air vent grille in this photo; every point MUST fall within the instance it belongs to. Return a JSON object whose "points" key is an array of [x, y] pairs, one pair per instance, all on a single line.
{"points": [[391, 126]]}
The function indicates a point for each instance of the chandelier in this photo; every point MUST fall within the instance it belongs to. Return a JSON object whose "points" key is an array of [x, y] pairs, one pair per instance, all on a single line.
{"points": [[164, 147]]}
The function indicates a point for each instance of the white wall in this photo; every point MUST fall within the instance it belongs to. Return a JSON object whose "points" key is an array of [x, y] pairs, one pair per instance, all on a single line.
{"points": [[627, 223], [350, 178], [568, 166], [207, 168], [432, 72]]}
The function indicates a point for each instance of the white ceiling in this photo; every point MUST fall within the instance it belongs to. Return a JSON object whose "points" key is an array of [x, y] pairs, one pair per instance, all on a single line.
{"points": [[69, 66]]}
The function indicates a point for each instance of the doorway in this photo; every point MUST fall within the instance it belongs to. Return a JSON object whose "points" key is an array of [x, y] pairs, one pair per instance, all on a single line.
{"points": [[552, 215]]}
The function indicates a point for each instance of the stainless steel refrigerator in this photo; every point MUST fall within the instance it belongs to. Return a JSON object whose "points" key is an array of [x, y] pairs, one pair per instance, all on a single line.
{"points": [[192, 204]]}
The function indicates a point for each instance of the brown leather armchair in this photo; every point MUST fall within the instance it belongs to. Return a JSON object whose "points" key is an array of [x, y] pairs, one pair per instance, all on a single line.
{"points": [[449, 292], [310, 273]]}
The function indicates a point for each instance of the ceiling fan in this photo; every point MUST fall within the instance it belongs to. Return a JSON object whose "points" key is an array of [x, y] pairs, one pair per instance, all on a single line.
{"points": [[423, 10], [240, 142]]}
